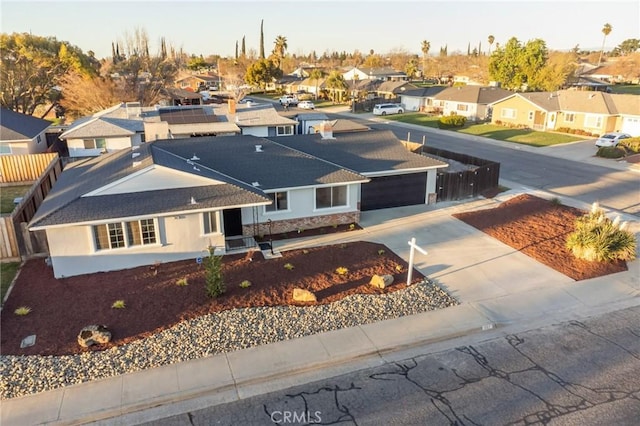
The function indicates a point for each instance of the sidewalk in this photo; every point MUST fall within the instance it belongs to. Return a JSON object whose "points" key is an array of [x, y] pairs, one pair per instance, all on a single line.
{"points": [[501, 291]]}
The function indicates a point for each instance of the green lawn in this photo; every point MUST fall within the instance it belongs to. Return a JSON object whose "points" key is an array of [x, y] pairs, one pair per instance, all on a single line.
{"points": [[626, 89], [8, 194], [7, 272], [522, 136]]}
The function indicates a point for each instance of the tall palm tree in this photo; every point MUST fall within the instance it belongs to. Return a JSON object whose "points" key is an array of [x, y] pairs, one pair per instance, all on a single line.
{"points": [[279, 48], [606, 30], [491, 39], [425, 46], [316, 75]]}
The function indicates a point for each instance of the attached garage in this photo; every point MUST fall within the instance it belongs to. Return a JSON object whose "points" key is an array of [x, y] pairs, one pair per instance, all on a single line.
{"points": [[631, 125], [393, 191]]}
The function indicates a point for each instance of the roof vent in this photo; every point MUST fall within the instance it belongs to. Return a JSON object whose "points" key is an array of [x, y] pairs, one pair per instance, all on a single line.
{"points": [[256, 184], [135, 154], [258, 148], [193, 201], [194, 158]]}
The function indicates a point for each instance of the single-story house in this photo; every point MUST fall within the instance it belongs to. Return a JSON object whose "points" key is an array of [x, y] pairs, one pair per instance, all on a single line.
{"points": [[591, 111], [197, 81], [21, 133], [393, 89], [421, 99], [469, 101], [172, 199], [381, 73]]}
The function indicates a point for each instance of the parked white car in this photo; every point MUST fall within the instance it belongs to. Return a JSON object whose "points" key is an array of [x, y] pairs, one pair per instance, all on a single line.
{"points": [[611, 139], [306, 105], [384, 109]]}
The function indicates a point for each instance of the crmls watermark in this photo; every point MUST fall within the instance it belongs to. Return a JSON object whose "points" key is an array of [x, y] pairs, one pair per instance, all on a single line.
{"points": [[292, 417]]}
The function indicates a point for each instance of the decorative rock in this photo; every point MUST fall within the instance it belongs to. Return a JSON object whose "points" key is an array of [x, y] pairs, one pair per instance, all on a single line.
{"points": [[300, 295], [381, 281], [93, 335]]}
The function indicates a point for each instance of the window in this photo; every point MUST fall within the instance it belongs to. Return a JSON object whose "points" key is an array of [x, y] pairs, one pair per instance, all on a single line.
{"points": [[462, 107], [569, 117], [284, 130], [280, 201], [95, 143], [210, 221], [531, 115], [124, 234], [334, 196], [5, 148], [593, 121], [508, 113]]}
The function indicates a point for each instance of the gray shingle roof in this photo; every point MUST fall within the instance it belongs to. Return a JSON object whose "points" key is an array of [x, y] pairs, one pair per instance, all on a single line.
{"points": [[473, 94], [424, 92], [275, 167], [103, 127], [16, 126], [364, 152]]}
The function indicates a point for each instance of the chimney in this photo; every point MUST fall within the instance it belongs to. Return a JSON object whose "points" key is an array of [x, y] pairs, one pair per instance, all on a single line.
{"points": [[326, 130], [232, 106]]}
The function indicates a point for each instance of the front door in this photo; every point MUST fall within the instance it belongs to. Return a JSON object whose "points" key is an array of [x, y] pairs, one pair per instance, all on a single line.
{"points": [[232, 219]]}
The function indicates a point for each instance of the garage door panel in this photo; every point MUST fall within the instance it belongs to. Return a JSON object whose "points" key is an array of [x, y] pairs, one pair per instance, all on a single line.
{"points": [[393, 191]]}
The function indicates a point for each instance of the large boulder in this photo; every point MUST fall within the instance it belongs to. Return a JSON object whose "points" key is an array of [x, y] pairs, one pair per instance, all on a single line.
{"points": [[94, 335], [300, 295], [381, 281]]}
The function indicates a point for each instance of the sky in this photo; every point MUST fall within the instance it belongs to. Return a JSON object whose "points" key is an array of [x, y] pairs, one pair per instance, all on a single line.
{"points": [[213, 27]]}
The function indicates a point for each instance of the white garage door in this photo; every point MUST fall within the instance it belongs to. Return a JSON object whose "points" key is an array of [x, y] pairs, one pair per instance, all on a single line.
{"points": [[631, 125]]}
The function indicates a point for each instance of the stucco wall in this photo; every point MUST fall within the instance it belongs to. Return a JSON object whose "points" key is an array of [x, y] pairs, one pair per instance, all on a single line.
{"points": [[180, 237], [255, 131], [76, 146]]}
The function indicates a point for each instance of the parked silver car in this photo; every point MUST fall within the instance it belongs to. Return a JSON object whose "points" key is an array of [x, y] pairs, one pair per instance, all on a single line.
{"points": [[611, 139]]}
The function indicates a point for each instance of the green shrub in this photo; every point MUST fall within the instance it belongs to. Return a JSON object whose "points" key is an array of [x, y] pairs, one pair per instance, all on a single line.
{"points": [[610, 152], [288, 266], [118, 304], [342, 270], [214, 282], [245, 284], [451, 121], [381, 252], [631, 144], [22, 311], [597, 238], [182, 282]]}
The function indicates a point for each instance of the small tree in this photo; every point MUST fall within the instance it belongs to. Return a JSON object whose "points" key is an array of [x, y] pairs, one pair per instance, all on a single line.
{"points": [[214, 281]]}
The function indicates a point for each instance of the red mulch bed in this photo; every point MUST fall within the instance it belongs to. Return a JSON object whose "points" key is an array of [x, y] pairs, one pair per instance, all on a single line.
{"points": [[61, 307], [539, 229]]}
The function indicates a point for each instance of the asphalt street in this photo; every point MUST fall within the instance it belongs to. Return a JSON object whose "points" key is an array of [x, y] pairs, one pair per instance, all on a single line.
{"points": [[574, 373]]}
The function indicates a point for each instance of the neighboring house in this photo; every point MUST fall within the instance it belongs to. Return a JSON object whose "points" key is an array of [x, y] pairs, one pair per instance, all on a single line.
{"points": [[462, 79], [197, 81], [591, 111], [584, 82], [310, 85], [116, 128], [469, 101], [308, 122], [383, 74], [608, 73], [21, 133], [172, 199], [177, 97], [422, 99], [286, 83], [262, 120], [393, 89]]}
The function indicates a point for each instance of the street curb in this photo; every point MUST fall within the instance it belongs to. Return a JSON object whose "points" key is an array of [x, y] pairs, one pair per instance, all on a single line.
{"points": [[352, 362]]}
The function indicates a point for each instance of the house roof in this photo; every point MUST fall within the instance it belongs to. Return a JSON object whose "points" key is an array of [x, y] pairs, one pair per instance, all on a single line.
{"points": [[398, 87], [381, 72], [543, 100], [67, 203], [274, 167], [364, 152], [341, 126], [95, 127], [205, 78], [424, 92], [258, 115], [473, 94], [15, 126]]}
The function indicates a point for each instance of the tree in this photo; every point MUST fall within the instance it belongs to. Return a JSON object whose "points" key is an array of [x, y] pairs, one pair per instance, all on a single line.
{"points": [[86, 95], [337, 84], [411, 68], [262, 72], [629, 46], [491, 39], [214, 280], [560, 66], [280, 46], [244, 47], [196, 63], [316, 75], [236, 57], [606, 30], [32, 67], [516, 65], [424, 47], [262, 39]]}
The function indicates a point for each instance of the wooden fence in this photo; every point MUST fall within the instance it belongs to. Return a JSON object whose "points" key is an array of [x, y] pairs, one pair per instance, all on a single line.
{"points": [[468, 183], [15, 239], [24, 168]]}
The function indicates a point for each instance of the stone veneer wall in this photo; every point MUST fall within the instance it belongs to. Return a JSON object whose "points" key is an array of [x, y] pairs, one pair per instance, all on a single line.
{"points": [[281, 226]]}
